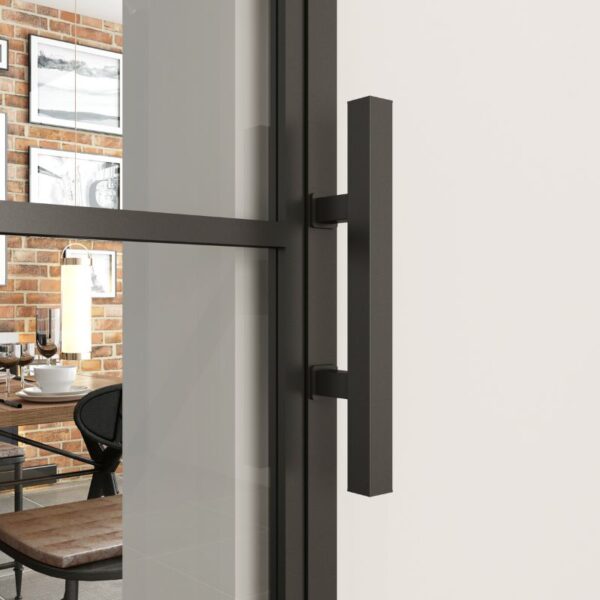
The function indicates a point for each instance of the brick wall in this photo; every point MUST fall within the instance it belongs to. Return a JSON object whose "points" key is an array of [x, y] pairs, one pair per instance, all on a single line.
{"points": [[34, 263]]}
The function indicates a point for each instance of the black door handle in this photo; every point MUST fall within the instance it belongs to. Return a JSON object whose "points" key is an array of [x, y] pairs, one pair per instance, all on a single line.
{"points": [[368, 382]]}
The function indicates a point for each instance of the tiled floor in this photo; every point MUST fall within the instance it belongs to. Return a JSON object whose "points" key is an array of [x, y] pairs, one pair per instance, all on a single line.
{"points": [[40, 587]]}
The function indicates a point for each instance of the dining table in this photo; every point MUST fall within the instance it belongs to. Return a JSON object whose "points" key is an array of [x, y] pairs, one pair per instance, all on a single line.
{"points": [[39, 413]]}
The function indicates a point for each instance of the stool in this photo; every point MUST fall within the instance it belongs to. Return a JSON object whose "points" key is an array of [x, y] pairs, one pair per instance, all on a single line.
{"points": [[11, 455]]}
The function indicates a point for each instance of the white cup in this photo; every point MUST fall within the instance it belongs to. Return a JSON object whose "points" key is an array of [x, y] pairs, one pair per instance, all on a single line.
{"points": [[55, 379]]}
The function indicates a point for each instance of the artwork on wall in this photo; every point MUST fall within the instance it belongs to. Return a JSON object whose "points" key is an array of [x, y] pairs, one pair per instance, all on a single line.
{"points": [[3, 167], [75, 86], [3, 54], [74, 179], [104, 270]]}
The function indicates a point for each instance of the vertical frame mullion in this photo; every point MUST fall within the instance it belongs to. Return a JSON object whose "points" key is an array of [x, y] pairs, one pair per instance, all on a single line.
{"points": [[321, 248], [290, 190]]}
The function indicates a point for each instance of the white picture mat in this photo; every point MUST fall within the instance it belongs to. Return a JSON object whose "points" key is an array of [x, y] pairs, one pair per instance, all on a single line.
{"points": [[78, 52], [36, 154], [3, 168], [104, 270], [3, 54]]}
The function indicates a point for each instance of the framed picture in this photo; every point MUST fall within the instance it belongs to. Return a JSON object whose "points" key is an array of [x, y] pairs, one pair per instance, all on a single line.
{"points": [[75, 86], [3, 167], [104, 270], [3, 54], [74, 179]]}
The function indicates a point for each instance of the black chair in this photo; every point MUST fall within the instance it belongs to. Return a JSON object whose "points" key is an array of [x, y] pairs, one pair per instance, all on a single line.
{"points": [[99, 419], [78, 541], [13, 456]]}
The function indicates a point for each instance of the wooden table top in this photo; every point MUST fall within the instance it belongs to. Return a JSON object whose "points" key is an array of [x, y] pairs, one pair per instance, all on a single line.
{"points": [[37, 413]]}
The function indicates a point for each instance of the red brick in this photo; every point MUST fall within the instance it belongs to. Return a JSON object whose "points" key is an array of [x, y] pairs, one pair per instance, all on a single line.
{"points": [[108, 141], [86, 33], [16, 186], [91, 365], [107, 324], [11, 326], [23, 144], [104, 245], [47, 298], [60, 26], [19, 58], [92, 22], [114, 27], [24, 5], [115, 310], [19, 158], [102, 351], [11, 298], [27, 270], [45, 243], [7, 30], [65, 15], [52, 435], [49, 285], [47, 11], [26, 285], [112, 364], [113, 337], [23, 255], [25, 311], [24, 18], [97, 337], [48, 256], [18, 45], [7, 312]]}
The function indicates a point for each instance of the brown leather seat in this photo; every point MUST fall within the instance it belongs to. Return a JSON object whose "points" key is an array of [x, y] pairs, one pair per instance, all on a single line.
{"points": [[67, 535]]}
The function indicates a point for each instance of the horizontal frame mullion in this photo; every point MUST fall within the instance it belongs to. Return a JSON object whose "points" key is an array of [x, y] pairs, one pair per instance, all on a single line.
{"points": [[21, 218]]}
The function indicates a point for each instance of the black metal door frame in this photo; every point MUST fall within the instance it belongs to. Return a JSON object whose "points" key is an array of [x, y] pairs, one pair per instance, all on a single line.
{"points": [[302, 289]]}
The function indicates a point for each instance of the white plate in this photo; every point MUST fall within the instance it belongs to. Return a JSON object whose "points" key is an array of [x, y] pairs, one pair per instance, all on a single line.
{"points": [[34, 394]]}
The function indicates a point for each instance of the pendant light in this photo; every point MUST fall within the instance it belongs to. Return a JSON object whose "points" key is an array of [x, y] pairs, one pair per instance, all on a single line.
{"points": [[76, 304]]}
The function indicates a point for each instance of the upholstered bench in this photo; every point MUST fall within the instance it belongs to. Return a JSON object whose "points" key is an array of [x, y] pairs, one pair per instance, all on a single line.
{"points": [[78, 541]]}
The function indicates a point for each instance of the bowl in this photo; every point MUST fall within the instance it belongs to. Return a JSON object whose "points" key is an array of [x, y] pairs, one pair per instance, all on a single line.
{"points": [[55, 379]]}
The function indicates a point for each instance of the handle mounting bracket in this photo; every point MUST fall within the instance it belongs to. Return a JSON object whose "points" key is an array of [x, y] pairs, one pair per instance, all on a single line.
{"points": [[329, 381], [327, 211]]}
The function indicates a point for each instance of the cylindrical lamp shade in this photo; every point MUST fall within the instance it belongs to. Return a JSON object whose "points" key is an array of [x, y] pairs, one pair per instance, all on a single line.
{"points": [[76, 304]]}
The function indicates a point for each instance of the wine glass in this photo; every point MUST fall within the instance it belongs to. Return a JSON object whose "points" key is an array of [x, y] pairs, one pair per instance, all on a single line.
{"points": [[8, 358], [47, 332], [25, 359]]}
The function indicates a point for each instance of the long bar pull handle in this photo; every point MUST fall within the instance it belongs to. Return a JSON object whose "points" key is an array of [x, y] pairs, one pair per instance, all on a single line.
{"points": [[368, 382]]}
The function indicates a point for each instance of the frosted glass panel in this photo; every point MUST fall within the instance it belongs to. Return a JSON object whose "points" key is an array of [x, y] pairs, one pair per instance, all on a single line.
{"points": [[196, 110], [196, 423]]}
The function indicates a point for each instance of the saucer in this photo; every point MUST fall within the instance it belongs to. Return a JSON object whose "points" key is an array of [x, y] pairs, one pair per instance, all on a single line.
{"points": [[35, 394]]}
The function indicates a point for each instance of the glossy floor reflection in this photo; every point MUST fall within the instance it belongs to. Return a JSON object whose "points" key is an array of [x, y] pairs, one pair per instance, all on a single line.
{"points": [[40, 587]]}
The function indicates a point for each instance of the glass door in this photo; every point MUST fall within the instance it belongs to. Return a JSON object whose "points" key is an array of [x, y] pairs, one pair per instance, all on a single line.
{"points": [[170, 148]]}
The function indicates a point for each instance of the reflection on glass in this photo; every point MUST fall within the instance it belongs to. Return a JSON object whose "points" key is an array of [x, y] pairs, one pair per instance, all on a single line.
{"points": [[47, 332], [211, 426]]}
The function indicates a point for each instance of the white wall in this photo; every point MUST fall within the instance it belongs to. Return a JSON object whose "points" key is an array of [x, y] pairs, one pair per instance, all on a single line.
{"points": [[497, 297]]}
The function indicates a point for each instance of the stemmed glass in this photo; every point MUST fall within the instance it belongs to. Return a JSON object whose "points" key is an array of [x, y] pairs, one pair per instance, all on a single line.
{"points": [[8, 358], [25, 359], [47, 332]]}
